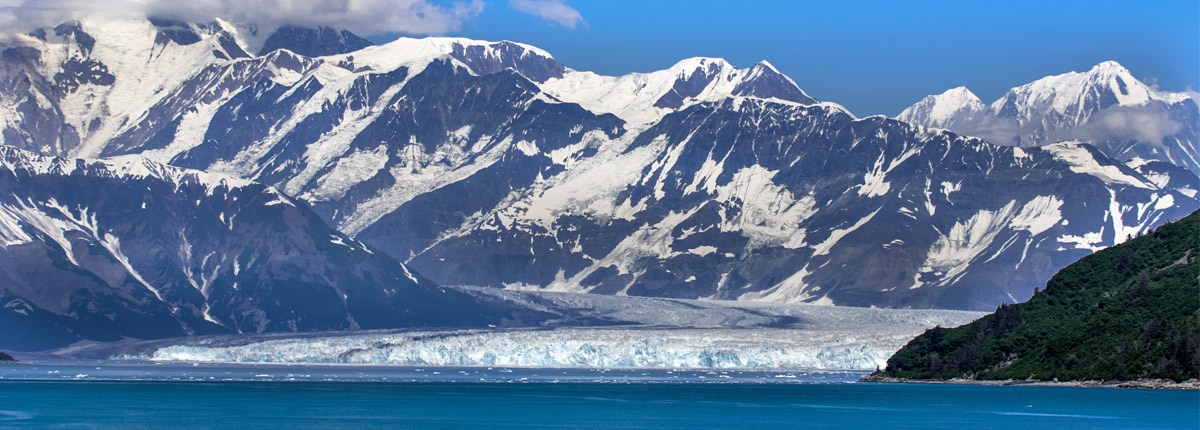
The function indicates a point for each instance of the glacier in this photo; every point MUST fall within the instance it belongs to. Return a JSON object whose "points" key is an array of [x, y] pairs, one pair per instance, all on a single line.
{"points": [[656, 334], [567, 348]]}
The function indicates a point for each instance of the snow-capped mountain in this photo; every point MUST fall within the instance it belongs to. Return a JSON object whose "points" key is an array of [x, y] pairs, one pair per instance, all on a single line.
{"points": [[945, 110], [643, 98], [491, 163], [1105, 106], [61, 94], [1071, 99], [127, 247]]}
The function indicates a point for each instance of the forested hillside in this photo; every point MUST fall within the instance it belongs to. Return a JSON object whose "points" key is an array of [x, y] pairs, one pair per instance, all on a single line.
{"points": [[1128, 312]]}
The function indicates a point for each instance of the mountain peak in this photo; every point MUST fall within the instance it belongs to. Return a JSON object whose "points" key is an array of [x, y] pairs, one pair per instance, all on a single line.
{"points": [[960, 91], [1109, 67], [765, 81], [491, 57], [941, 110], [480, 56], [716, 77], [1076, 95], [766, 65], [712, 64], [314, 42], [1104, 105]]}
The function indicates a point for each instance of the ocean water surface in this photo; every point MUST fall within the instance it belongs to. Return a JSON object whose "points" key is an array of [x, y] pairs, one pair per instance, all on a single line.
{"points": [[183, 396]]}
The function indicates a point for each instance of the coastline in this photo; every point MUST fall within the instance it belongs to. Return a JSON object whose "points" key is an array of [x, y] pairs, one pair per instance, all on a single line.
{"points": [[1154, 384]]}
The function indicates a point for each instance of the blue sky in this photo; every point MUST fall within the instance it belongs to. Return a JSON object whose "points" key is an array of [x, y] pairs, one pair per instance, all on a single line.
{"points": [[874, 57], [871, 56]]}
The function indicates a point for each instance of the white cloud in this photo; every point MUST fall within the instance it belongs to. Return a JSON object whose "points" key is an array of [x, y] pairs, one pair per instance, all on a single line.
{"points": [[553, 10], [24, 15], [360, 16], [1148, 124]]}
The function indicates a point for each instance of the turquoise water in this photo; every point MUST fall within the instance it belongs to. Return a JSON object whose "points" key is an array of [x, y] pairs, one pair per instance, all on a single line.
{"points": [[263, 397]]}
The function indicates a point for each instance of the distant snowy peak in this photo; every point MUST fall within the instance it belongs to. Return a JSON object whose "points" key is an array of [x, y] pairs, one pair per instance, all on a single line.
{"points": [[486, 58], [636, 97], [1077, 95], [479, 57], [942, 109], [711, 79], [765, 81], [644, 98], [1105, 106], [1072, 97], [722, 80], [692, 77]]}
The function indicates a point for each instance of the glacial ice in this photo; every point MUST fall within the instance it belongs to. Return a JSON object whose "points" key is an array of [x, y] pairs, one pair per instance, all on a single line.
{"points": [[665, 334], [568, 348]]}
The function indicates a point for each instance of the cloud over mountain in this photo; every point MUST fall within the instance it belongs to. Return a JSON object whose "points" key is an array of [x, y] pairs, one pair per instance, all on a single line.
{"points": [[364, 16], [551, 10]]}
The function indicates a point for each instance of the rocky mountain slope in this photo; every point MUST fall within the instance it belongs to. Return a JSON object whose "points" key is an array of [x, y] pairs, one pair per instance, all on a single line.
{"points": [[131, 248], [491, 163], [1105, 106]]}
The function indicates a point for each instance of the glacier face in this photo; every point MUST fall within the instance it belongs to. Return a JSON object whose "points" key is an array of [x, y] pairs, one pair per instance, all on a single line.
{"points": [[669, 334], [583, 348], [653, 333]]}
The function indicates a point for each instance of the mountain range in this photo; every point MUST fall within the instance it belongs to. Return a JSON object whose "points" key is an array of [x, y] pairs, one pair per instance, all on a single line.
{"points": [[1105, 106], [493, 164]]}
